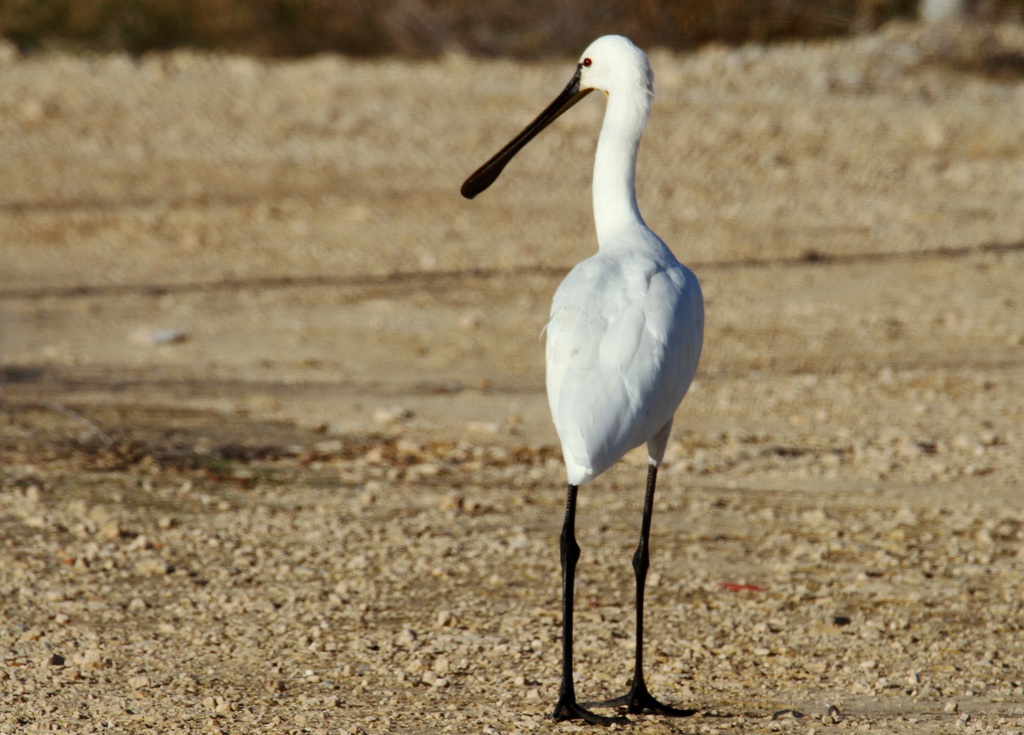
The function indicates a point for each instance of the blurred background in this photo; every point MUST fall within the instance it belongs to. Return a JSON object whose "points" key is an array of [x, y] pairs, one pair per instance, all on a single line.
{"points": [[253, 207], [426, 28]]}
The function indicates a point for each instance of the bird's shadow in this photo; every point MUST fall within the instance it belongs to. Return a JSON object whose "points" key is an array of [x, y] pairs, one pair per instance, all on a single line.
{"points": [[678, 713]]}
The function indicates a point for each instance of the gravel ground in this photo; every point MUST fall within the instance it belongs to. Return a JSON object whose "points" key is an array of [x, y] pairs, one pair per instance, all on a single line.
{"points": [[276, 449]]}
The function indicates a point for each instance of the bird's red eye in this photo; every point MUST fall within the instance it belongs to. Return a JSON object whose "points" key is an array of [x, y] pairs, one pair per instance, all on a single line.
{"points": [[587, 61]]}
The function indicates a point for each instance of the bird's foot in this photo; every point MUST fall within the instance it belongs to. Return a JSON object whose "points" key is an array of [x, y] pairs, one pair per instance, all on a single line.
{"points": [[639, 701], [569, 710]]}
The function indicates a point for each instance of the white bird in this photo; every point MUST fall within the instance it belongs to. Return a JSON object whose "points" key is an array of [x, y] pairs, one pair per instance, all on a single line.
{"points": [[624, 337]]}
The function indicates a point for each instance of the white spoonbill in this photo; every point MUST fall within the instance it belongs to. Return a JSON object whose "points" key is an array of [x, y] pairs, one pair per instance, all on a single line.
{"points": [[624, 337]]}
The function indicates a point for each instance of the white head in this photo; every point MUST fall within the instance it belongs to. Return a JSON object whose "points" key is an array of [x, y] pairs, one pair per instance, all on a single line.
{"points": [[612, 63]]}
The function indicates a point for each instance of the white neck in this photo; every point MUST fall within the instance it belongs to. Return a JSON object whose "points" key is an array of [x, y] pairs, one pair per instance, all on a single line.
{"points": [[615, 205]]}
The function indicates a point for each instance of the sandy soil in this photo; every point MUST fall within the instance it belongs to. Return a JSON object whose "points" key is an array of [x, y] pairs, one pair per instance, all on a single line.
{"points": [[276, 450]]}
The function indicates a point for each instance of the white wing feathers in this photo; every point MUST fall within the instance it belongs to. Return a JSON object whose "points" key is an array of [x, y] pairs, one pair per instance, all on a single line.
{"points": [[623, 344]]}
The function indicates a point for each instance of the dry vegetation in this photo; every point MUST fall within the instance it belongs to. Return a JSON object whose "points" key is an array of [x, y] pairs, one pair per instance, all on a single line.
{"points": [[428, 27]]}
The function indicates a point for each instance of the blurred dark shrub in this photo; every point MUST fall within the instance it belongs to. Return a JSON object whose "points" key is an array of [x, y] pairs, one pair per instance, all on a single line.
{"points": [[520, 28]]}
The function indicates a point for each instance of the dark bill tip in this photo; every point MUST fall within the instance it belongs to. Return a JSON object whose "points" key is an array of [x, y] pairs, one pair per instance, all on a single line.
{"points": [[486, 175]]}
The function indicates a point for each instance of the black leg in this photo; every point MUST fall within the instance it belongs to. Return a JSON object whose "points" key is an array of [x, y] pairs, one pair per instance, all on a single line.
{"points": [[567, 707], [639, 699]]}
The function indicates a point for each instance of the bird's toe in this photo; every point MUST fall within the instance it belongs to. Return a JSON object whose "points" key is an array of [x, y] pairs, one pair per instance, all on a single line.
{"points": [[566, 710]]}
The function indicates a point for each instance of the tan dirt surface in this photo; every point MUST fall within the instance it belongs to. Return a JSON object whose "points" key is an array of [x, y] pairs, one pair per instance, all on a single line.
{"points": [[276, 452]]}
